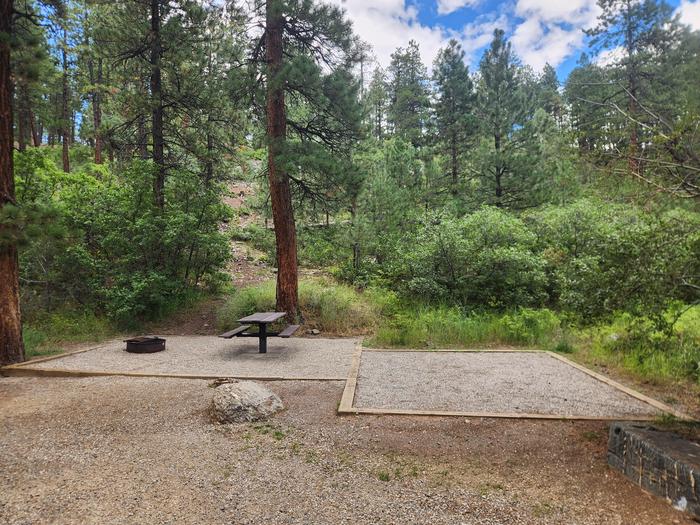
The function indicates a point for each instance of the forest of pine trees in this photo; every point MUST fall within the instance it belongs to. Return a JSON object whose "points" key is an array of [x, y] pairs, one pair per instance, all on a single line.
{"points": [[490, 186]]}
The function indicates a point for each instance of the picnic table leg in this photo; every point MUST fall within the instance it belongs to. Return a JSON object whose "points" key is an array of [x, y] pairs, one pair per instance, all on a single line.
{"points": [[263, 338]]}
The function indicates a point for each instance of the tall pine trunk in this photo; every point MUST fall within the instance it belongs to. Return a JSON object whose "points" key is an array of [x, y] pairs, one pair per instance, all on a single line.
{"points": [[157, 107], [11, 347], [280, 191], [65, 113], [633, 152], [36, 130], [96, 81], [499, 171], [23, 126], [453, 155]]}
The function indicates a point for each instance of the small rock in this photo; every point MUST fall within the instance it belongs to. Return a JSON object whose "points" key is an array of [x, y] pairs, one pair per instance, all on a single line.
{"points": [[313, 332], [244, 401]]}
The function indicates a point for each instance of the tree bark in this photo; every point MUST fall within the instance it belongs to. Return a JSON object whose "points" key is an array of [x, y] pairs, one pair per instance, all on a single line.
{"points": [[453, 151], [157, 107], [11, 346], [96, 81], [36, 135], [65, 116], [499, 171], [23, 116], [280, 192]]}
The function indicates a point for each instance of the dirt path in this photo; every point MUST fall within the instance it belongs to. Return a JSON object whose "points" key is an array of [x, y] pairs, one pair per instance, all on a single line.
{"points": [[117, 450]]}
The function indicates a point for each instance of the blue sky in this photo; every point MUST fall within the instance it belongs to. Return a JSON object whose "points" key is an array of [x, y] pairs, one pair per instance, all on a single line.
{"points": [[541, 31]]}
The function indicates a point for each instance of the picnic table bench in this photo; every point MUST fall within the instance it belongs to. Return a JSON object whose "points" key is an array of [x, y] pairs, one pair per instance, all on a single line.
{"points": [[261, 320]]}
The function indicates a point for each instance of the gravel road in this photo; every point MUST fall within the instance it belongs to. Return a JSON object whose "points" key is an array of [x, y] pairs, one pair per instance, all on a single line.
{"points": [[120, 450]]}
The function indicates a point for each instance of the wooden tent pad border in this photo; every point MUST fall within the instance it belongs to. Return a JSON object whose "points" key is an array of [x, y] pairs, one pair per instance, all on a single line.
{"points": [[347, 400], [58, 372], [6, 370]]}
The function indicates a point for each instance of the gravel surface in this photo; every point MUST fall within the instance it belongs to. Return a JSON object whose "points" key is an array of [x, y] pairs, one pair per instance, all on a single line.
{"points": [[493, 382], [115, 450], [213, 356]]}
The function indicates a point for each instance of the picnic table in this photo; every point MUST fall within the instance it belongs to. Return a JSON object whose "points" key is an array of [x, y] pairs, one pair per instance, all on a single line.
{"points": [[261, 319]]}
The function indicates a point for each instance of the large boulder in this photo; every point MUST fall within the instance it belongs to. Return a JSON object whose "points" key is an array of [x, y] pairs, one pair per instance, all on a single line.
{"points": [[244, 401]]}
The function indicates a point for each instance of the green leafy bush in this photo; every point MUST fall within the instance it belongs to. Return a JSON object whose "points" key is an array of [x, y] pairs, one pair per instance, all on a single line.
{"points": [[485, 260], [637, 344], [118, 253], [603, 258], [528, 326]]}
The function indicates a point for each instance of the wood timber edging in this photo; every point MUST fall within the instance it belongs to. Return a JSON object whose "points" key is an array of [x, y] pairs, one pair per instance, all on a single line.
{"points": [[7, 369], [619, 386], [346, 402], [351, 384], [59, 372]]}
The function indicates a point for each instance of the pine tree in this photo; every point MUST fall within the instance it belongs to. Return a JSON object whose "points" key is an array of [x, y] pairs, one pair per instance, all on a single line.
{"points": [[549, 97], [11, 347], [30, 62], [408, 93], [502, 106], [312, 115], [643, 30], [454, 106], [170, 96], [376, 101], [591, 122]]}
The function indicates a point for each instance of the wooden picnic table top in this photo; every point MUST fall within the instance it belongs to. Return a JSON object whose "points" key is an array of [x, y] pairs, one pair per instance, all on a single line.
{"points": [[263, 317]]}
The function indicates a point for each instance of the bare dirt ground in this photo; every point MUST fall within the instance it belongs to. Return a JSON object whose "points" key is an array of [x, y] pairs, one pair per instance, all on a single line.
{"points": [[124, 450]]}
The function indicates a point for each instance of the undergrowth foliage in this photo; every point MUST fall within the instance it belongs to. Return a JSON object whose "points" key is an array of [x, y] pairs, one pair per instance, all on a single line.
{"points": [[113, 250], [332, 308]]}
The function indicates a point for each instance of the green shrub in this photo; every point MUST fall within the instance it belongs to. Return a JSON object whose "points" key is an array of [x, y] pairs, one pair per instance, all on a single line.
{"points": [[485, 260], [603, 258], [119, 254], [564, 347], [262, 239], [637, 344], [321, 247], [332, 308]]}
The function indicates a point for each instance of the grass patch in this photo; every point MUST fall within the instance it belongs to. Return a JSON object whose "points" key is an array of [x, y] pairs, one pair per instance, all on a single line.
{"points": [[383, 475], [445, 327], [46, 334], [633, 343], [332, 308]]}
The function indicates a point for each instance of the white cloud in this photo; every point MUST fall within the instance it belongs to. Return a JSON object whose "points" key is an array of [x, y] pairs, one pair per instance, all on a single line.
{"points": [[445, 7], [571, 11], [479, 33], [388, 24], [542, 31], [608, 57], [690, 13], [551, 31]]}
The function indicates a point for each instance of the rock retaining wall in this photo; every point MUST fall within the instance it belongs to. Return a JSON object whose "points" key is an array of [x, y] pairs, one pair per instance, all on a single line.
{"points": [[660, 462]]}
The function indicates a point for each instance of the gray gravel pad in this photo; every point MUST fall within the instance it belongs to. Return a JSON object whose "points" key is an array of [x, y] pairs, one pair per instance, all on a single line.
{"points": [[213, 356], [507, 382]]}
